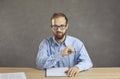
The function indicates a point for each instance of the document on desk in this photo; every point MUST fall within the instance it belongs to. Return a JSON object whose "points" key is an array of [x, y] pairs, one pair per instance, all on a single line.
{"points": [[56, 71], [15, 75]]}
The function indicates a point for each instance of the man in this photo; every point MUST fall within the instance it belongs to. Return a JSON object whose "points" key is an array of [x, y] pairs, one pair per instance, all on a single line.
{"points": [[63, 50]]}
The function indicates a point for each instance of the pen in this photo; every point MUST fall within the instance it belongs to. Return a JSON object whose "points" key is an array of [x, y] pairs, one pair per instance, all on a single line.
{"points": [[69, 52]]}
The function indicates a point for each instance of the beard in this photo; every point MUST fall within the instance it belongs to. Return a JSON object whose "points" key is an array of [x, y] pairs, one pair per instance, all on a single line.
{"points": [[59, 35]]}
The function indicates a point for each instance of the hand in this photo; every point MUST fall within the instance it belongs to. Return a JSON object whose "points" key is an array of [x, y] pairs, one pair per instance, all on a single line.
{"points": [[73, 72], [68, 50]]}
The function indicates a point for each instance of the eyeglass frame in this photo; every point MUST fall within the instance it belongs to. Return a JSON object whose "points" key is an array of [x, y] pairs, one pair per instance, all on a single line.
{"points": [[61, 27]]}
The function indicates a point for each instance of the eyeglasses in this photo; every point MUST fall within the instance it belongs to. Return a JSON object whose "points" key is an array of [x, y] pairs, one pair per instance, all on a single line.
{"points": [[61, 27]]}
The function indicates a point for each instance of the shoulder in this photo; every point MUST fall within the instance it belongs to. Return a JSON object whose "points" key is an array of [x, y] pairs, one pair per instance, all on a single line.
{"points": [[75, 42], [46, 40], [73, 39]]}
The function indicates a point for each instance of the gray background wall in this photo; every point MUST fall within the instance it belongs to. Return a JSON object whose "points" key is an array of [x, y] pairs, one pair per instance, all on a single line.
{"points": [[25, 23]]}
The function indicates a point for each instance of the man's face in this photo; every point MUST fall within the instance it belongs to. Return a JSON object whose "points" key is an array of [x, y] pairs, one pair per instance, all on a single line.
{"points": [[59, 27]]}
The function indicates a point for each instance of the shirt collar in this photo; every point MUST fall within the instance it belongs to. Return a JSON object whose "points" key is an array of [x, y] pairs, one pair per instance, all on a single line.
{"points": [[54, 41], [66, 42]]}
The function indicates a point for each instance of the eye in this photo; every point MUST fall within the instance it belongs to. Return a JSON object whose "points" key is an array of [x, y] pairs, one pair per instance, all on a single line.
{"points": [[62, 26]]}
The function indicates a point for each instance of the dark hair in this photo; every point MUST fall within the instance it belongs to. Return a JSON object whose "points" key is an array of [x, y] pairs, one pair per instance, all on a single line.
{"points": [[56, 15]]}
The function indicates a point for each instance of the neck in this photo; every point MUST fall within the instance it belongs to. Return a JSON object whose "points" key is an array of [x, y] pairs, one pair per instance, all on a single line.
{"points": [[60, 41]]}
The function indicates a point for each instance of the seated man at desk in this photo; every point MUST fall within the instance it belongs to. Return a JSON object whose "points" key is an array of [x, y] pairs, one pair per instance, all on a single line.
{"points": [[62, 50]]}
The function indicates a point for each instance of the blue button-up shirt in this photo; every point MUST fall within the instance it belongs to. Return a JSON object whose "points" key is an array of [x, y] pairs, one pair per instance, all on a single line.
{"points": [[49, 54]]}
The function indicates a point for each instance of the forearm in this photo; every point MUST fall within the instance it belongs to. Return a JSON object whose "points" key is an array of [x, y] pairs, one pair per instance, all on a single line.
{"points": [[48, 61], [84, 65], [52, 61]]}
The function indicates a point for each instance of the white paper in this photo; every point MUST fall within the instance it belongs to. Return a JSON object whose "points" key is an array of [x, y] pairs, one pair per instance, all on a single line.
{"points": [[56, 71], [15, 75]]}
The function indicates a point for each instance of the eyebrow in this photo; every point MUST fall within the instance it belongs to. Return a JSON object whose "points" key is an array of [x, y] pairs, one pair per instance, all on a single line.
{"points": [[60, 25]]}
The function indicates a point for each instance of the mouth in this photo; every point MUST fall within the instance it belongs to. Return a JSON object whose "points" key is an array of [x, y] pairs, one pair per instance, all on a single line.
{"points": [[59, 32]]}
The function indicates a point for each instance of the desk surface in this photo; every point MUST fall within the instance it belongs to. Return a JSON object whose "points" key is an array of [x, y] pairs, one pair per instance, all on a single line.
{"points": [[93, 73]]}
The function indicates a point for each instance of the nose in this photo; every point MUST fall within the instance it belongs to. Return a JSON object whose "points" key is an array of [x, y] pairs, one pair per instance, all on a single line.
{"points": [[58, 29]]}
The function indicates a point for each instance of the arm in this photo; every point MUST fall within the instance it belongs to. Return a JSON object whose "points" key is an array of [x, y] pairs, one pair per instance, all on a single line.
{"points": [[45, 58], [84, 61]]}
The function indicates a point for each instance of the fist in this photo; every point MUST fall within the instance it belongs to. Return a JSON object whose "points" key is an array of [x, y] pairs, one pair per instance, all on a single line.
{"points": [[67, 50]]}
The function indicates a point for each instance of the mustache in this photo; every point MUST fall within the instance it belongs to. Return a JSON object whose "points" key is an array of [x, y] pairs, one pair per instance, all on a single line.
{"points": [[58, 32]]}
